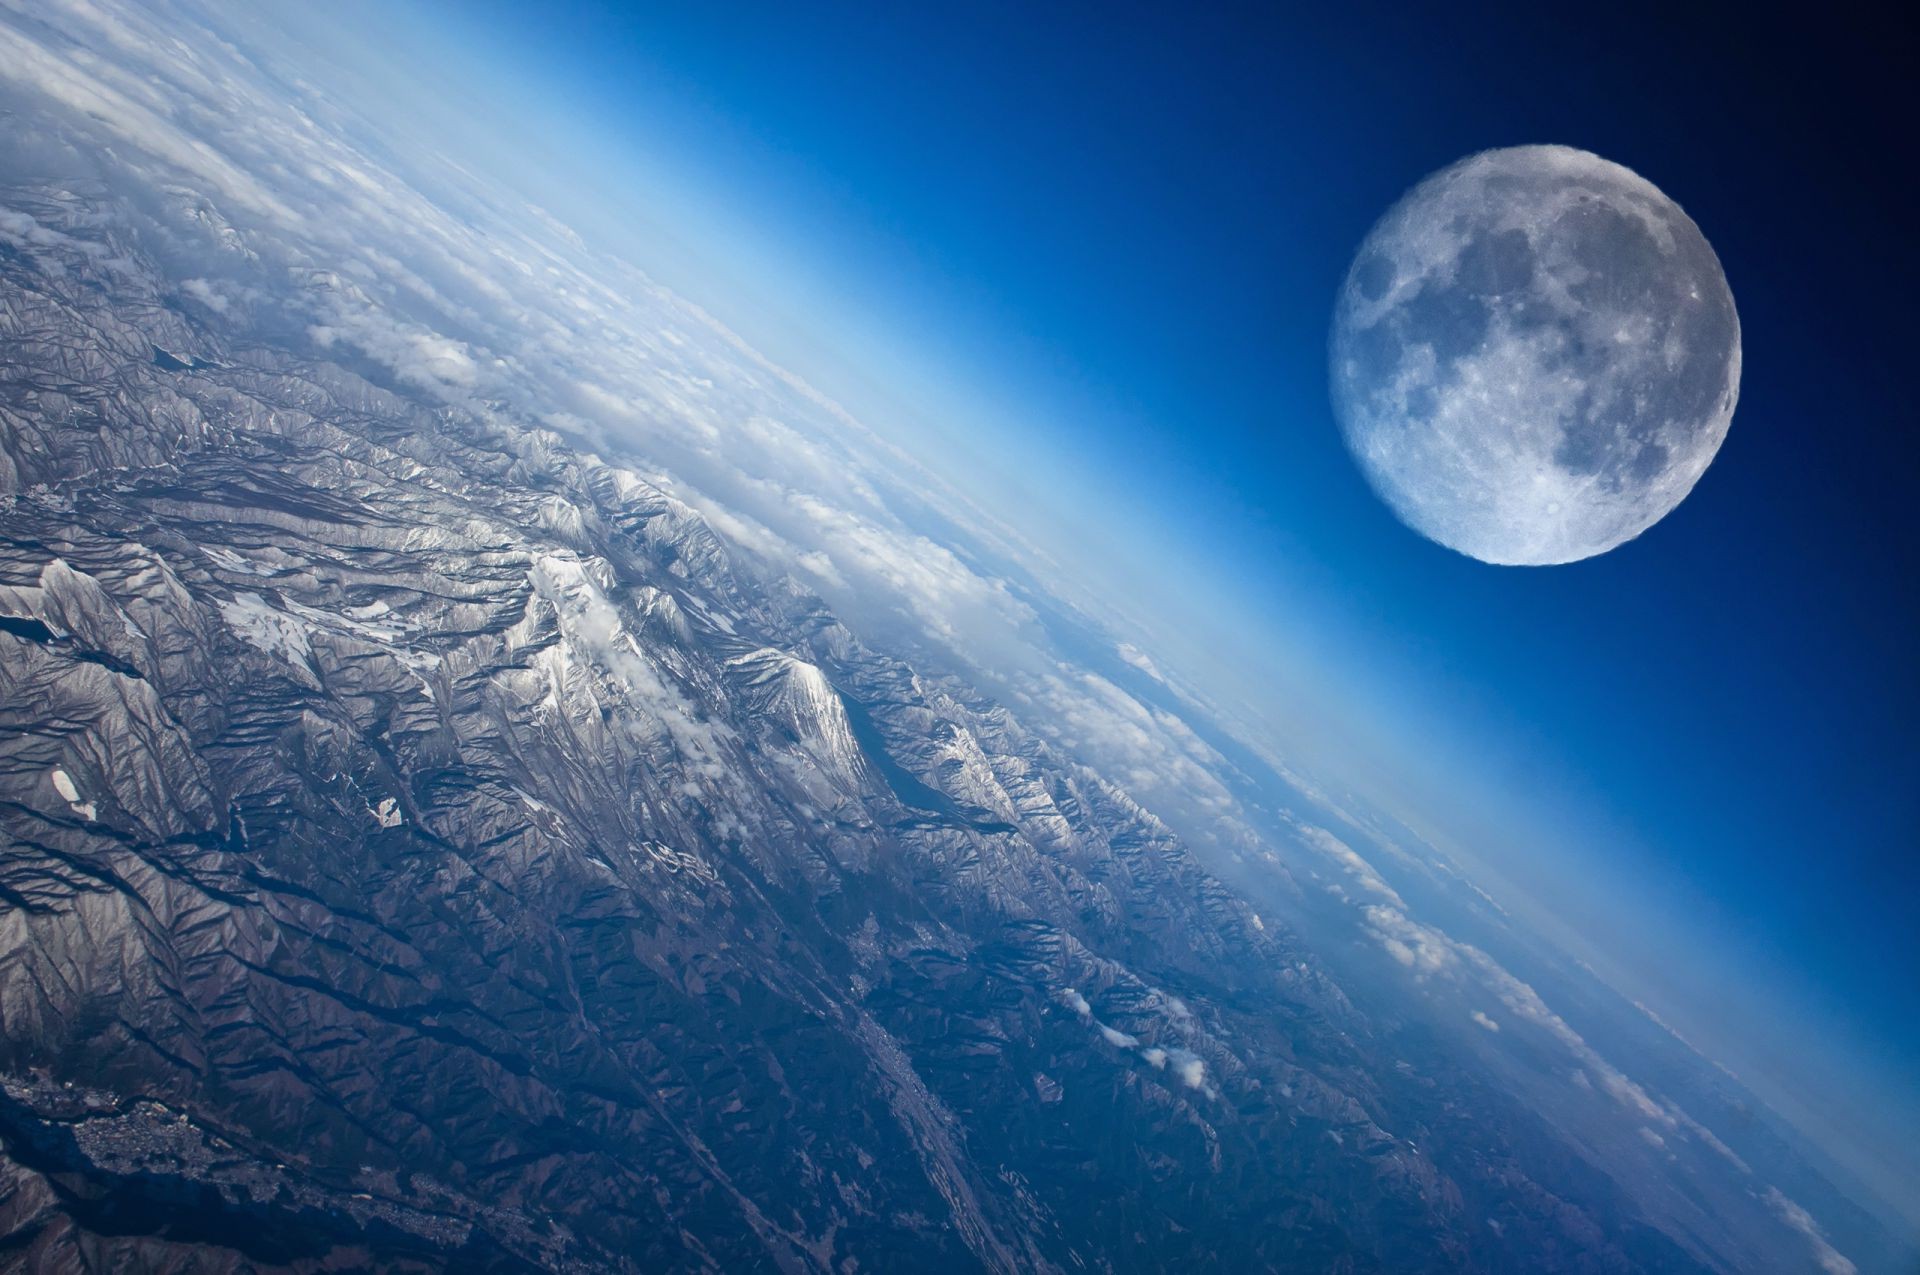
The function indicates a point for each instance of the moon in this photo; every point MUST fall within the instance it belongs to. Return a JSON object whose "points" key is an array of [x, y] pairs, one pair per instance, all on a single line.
{"points": [[1534, 356]]}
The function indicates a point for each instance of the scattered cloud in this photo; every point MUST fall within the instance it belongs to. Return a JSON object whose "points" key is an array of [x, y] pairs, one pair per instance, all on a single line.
{"points": [[1828, 1258], [1191, 1069], [1139, 659], [1185, 1064], [1359, 869]]}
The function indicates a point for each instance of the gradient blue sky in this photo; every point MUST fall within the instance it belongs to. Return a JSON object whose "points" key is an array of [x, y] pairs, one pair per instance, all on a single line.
{"points": [[1086, 257]]}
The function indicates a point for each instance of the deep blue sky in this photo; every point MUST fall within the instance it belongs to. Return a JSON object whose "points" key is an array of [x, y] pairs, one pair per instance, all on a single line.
{"points": [[1091, 253]]}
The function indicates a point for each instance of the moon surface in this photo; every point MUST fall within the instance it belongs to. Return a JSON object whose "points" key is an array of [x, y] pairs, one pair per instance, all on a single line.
{"points": [[1535, 356]]}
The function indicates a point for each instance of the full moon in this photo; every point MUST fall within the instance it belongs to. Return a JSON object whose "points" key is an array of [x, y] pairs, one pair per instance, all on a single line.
{"points": [[1534, 356]]}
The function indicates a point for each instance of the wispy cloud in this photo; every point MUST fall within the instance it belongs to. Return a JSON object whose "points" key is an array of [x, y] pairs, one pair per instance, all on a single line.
{"points": [[1829, 1259]]}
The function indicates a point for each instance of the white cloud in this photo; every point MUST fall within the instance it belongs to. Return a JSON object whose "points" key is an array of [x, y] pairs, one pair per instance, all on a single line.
{"points": [[206, 293], [1421, 948], [1356, 867], [1133, 655], [1191, 1069], [111, 98], [1829, 1258]]}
